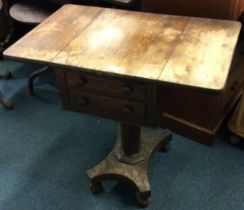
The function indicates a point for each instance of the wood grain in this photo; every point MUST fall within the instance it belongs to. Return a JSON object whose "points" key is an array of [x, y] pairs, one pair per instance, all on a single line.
{"points": [[47, 39], [194, 52], [127, 43], [203, 54]]}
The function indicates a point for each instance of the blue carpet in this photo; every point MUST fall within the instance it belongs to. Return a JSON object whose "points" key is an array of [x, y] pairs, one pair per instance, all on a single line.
{"points": [[45, 152]]}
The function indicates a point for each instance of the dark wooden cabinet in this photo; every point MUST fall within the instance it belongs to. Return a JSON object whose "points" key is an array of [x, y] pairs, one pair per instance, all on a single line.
{"points": [[193, 113], [199, 114], [224, 9]]}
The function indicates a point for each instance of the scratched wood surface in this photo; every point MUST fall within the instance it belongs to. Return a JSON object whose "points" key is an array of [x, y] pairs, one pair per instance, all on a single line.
{"points": [[182, 50], [203, 54], [52, 35]]}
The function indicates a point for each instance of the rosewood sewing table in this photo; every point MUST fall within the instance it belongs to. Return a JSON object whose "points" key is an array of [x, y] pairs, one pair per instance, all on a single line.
{"points": [[113, 63]]}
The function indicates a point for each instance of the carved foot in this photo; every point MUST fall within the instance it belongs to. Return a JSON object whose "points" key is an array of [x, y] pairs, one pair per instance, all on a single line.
{"points": [[143, 199], [96, 187], [7, 104], [165, 148]]}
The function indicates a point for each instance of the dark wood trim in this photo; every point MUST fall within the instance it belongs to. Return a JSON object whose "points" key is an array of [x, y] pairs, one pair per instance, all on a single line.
{"points": [[130, 138]]}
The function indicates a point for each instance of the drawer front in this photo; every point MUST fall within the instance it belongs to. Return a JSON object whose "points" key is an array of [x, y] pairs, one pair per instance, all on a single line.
{"points": [[105, 86], [233, 86], [107, 106]]}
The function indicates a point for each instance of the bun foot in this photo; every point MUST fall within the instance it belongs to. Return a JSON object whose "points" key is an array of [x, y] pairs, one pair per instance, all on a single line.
{"points": [[8, 104], [143, 199], [166, 147], [96, 188]]}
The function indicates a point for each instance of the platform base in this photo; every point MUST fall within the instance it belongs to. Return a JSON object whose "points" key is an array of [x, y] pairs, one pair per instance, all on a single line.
{"points": [[130, 169]]}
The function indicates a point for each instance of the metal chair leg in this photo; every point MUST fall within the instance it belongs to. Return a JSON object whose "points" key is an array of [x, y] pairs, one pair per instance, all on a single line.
{"points": [[34, 75]]}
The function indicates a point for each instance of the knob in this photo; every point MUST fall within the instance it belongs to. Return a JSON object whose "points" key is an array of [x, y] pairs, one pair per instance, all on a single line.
{"points": [[102, 84], [126, 89], [234, 86], [81, 82], [128, 109], [83, 101]]}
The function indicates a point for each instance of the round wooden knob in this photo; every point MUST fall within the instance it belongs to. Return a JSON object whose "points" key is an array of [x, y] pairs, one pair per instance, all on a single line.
{"points": [[81, 82], [128, 110], [126, 89], [84, 101], [235, 86]]}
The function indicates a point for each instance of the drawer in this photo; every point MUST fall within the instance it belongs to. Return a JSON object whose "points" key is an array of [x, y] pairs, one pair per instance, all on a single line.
{"points": [[106, 106], [105, 86]]}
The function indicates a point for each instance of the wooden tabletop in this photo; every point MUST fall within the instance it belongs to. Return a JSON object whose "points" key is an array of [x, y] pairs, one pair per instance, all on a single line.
{"points": [[182, 50]]}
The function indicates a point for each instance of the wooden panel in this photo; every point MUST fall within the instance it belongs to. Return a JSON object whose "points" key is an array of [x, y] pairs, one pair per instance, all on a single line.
{"points": [[236, 123], [199, 114], [190, 130], [203, 55], [123, 42], [46, 40], [106, 86], [191, 106], [107, 106], [232, 88], [224, 9]]}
